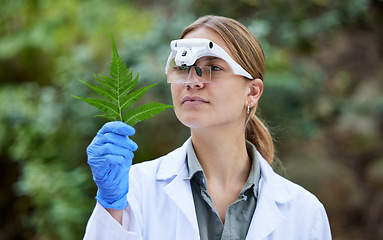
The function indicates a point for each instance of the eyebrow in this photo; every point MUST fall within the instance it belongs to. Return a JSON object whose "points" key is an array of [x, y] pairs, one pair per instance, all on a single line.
{"points": [[210, 59]]}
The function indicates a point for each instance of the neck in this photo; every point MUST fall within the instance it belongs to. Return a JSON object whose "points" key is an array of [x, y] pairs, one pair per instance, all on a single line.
{"points": [[222, 154]]}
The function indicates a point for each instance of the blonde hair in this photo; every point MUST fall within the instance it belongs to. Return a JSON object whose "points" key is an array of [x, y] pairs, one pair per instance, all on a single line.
{"points": [[248, 52]]}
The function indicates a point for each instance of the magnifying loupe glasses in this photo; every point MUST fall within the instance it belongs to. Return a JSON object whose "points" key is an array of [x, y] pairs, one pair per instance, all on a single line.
{"points": [[181, 66], [189, 74]]}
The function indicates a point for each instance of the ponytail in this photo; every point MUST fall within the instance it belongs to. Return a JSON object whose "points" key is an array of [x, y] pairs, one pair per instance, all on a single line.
{"points": [[258, 134]]}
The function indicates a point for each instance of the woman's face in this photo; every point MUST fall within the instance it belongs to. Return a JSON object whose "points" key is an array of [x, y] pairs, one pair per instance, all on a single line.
{"points": [[222, 102]]}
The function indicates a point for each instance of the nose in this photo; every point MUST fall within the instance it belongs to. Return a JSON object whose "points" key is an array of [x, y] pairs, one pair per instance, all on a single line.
{"points": [[194, 79], [196, 85]]}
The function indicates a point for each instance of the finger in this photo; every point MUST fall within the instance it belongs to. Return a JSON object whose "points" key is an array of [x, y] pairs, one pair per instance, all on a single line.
{"points": [[98, 162], [122, 141], [121, 161], [119, 140], [106, 166], [112, 149], [118, 128]]}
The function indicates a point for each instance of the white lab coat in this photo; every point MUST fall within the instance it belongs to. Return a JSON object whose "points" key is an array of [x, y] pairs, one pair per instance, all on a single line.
{"points": [[161, 206]]}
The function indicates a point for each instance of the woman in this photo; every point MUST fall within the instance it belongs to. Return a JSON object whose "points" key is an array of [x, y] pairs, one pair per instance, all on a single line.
{"points": [[219, 184]]}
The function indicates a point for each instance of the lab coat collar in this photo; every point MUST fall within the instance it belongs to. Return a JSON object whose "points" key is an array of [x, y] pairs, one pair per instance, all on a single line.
{"points": [[271, 194], [273, 181], [173, 168], [173, 163]]}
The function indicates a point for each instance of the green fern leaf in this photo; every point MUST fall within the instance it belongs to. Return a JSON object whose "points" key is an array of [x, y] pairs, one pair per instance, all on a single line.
{"points": [[111, 96], [108, 115], [103, 105], [144, 112], [119, 94], [107, 82], [130, 99], [128, 85]]}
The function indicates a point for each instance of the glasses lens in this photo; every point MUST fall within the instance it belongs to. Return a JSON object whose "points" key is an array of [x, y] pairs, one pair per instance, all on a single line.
{"points": [[189, 74]]}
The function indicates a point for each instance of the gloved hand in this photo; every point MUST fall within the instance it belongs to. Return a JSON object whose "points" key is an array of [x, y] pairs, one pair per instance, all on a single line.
{"points": [[110, 157]]}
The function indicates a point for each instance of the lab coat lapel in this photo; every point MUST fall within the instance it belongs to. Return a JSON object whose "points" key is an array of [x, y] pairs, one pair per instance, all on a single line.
{"points": [[267, 216], [179, 191], [174, 168]]}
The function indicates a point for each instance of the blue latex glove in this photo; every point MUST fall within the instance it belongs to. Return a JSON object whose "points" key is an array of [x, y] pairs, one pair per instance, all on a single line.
{"points": [[110, 157]]}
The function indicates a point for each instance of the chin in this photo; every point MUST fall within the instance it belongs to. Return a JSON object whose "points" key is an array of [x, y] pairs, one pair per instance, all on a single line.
{"points": [[192, 120], [191, 123]]}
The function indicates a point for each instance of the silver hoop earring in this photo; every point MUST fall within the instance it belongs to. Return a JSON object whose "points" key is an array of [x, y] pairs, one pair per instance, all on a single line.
{"points": [[248, 108]]}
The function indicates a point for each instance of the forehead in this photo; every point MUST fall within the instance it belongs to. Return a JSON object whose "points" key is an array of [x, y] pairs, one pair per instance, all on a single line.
{"points": [[207, 33], [209, 59]]}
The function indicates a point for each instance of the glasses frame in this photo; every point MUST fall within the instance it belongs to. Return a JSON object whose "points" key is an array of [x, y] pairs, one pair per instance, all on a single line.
{"points": [[186, 52], [184, 76]]}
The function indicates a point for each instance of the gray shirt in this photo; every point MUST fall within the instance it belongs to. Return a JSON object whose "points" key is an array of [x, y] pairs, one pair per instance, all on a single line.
{"points": [[238, 214]]}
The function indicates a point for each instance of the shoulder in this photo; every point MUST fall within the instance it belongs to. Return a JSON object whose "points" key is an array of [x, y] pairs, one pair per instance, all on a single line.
{"points": [[300, 208], [302, 200], [296, 191], [284, 190], [289, 195], [306, 210]]}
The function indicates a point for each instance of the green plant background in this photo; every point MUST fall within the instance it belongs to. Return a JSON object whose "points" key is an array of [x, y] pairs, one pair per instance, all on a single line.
{"points": [[323, 101]]}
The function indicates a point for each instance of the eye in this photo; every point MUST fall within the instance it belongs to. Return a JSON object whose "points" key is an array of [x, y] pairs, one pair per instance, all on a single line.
{"points": [[216, 68], [182, 68]]}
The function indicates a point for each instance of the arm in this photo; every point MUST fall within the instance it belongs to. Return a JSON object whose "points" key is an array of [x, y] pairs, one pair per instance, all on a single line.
{"points": [[321, 229], [116, 214], [102, 225], [110, 158]]}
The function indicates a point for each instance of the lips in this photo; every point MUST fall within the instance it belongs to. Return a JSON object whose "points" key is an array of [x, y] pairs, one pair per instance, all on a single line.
{"points": [[192, 101]]}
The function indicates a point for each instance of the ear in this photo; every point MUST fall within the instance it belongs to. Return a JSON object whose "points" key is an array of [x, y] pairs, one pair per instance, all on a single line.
{"points": [[255, 91]]}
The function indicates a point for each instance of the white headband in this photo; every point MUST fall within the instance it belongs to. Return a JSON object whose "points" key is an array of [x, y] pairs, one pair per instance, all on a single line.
{"points": [[187, 51]]}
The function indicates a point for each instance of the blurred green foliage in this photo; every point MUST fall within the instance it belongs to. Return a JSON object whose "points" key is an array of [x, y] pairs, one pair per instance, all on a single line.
{"points": [[323, 101]]}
